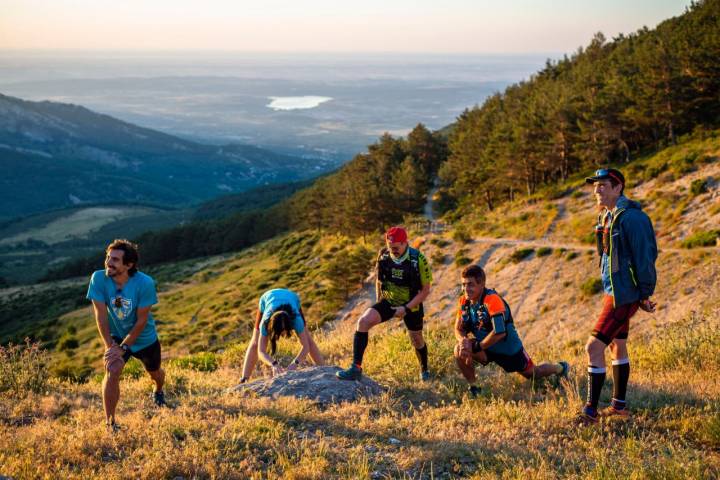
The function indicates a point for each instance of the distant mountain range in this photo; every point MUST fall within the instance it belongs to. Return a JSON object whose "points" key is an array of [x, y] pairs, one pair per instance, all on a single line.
{"points": [[55, 155]]}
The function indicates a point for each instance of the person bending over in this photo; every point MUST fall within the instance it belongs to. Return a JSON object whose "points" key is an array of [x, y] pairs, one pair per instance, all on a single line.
{"points": [[279, 314]]}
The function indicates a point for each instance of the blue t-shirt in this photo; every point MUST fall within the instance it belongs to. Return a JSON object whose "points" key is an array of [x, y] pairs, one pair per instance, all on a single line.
{"points": [[605, 260], [138, 292], [272, 300], [605, 274]]}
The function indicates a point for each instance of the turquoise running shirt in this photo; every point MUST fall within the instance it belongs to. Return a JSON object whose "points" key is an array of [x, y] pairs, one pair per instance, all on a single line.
{"points": [[272, 300], [122, 305]]}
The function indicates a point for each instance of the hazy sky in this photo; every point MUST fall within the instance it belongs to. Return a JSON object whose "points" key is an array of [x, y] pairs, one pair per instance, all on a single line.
{"points": [[422, 26]]}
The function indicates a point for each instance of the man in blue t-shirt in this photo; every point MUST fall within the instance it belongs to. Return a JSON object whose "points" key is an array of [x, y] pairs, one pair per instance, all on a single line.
{"points": [[122, 298], [486, 316]]}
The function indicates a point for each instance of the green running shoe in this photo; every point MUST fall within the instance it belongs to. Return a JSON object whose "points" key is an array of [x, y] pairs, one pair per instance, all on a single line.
{"points": [[565, 369], [352, 373], [159, 399]]}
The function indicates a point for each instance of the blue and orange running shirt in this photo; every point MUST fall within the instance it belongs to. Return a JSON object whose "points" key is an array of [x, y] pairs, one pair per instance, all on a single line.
{"points": [[490, 314]]}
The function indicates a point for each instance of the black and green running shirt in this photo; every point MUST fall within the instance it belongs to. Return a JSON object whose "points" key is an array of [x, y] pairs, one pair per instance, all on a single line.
{"points": [[402, 278]]}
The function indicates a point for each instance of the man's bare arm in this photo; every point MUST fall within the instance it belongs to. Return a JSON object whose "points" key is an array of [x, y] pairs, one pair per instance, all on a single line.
{"points": [[142, 318], [103, 325]]}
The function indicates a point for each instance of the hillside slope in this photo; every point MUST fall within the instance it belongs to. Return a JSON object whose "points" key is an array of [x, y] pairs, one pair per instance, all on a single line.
{"points": [[534, 254], [56, 155]]}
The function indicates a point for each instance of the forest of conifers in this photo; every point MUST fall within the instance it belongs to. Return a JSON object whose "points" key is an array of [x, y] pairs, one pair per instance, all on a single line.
{"points": [[600, 106]]}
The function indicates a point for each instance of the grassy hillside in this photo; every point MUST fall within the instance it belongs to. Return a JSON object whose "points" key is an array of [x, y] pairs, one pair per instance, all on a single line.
{"points": [[676, 186], [50, 241], [515, 430]]}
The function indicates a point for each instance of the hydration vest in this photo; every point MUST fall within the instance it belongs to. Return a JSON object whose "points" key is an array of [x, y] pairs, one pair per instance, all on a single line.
{"points": [[490, 304], [404, 274]]}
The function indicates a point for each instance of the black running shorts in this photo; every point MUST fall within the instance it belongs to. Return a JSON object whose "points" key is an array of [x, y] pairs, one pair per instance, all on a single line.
{"points": [[413, 320], [519, 362], [149, 356]]}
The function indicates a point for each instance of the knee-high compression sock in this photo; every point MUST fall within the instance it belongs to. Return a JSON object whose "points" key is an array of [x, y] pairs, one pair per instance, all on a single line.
{"points": [[621, 374], [596, 379], [360, 342], [422, 356]]}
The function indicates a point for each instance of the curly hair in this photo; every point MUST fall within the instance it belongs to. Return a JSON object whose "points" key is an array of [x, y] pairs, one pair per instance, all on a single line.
{"points": [[130, 253]]}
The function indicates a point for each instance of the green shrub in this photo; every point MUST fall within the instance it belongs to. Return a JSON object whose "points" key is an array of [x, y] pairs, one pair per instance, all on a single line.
{"points": [[460, 234], [438, 258], [710, 431], [67, 342], [461, 259], [133, 369], [571, 255], [72, 372], [544, 251], [698, 187], [439, 242], [701, 239], [693, 343], [577, 194], [23, 369], [654, 171], [201, 362], [521, 254], [591, 286]]}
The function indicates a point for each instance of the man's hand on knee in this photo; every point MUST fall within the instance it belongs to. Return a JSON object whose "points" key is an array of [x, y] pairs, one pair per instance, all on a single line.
{"points": [[464, 349], [115, 351], [113, 359], [114, 365]]}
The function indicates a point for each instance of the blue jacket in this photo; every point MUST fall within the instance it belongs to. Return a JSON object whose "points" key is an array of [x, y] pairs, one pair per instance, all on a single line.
{"points": [[632, 253]]}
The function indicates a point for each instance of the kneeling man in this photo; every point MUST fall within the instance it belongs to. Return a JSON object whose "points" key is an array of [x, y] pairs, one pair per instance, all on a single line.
{"points": [[484, 314]]}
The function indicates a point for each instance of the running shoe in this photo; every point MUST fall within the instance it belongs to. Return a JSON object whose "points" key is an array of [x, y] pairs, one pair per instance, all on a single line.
{"points": [[159, 399], [474, 391], [585, 418], [424, 376], [565, 369], [613, 412], [352, 373], [112, 428]]}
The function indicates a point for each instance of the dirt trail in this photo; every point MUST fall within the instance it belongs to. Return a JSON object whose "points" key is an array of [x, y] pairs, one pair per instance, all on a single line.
{"points": [[544, 292]]}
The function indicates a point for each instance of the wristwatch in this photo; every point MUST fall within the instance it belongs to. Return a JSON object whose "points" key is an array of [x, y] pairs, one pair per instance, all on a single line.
{"points": [[477, 347], [126, 348]]}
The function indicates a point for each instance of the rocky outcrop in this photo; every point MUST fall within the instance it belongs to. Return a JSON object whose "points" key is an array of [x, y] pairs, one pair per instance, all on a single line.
{"points": [[316, 383]]}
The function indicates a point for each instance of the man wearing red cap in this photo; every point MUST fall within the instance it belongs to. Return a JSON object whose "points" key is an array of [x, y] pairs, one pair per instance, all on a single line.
{"points": [[403, 283]]}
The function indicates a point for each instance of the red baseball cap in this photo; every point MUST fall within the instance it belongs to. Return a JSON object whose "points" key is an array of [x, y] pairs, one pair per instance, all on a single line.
{"points": [[396, 234]]}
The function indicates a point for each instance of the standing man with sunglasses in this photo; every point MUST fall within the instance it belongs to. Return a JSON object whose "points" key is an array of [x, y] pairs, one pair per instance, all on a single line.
{"points": [[627, 249], [122, 298]]}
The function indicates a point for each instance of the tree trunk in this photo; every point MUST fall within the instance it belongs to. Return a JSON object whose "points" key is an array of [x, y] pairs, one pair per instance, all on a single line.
{"points": [[488, 200]]}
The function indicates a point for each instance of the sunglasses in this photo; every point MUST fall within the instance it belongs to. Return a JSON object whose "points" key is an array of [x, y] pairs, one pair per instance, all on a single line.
{"points": [[118, 300], [603, 172]]}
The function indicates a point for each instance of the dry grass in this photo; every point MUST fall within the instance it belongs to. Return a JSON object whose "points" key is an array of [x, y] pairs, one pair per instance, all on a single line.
{"points": [[515, 430]]}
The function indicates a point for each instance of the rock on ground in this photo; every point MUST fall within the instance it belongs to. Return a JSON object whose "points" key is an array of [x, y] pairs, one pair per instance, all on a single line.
{"points": [[314, 383]]}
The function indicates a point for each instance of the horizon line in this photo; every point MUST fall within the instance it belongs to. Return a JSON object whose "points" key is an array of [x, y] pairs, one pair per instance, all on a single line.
{"points": [[278, 52]]}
